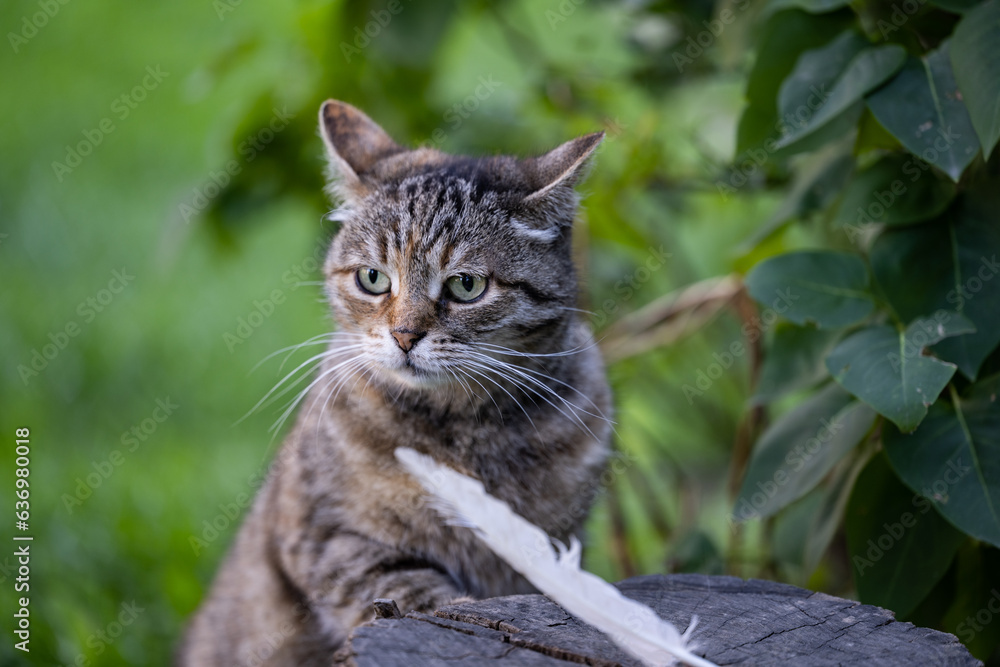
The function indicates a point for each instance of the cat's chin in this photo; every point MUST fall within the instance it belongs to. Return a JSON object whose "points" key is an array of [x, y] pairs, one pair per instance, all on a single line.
{"points": [[410, 377]]}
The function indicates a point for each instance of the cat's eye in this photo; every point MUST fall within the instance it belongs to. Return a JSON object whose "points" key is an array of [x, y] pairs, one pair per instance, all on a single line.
{"points": [[464, 287], [373, 281]]}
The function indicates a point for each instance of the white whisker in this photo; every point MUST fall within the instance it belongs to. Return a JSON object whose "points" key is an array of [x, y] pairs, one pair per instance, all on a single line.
{"points": [[484, 372], [510, 376], [302, 394], [528, 373], [500, 349], [330, 353]]}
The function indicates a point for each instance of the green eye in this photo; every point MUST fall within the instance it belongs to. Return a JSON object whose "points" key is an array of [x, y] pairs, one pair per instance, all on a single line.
{"points": [[372, 281], [465, 287]]}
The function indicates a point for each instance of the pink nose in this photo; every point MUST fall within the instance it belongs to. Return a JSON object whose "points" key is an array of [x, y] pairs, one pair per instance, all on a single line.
{"points": [[407, 339]]}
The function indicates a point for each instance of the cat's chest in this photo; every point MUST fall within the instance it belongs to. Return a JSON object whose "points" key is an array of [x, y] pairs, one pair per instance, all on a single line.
{"points": [[453, 433]]}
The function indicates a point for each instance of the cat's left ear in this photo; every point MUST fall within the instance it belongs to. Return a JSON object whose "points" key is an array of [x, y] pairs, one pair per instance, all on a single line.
{"points": [[563, 166], [354, 143]]}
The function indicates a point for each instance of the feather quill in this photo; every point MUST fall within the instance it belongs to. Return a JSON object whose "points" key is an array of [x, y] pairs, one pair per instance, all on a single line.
{"points": [[528, 549]]}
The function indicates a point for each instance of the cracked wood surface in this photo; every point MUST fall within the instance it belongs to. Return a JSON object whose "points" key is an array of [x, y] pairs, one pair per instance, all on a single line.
{"points": [[740, 623]]}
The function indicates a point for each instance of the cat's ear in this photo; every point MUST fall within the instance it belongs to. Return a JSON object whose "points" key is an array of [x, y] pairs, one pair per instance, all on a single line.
{"points": [[354, 143], [562, 166]]}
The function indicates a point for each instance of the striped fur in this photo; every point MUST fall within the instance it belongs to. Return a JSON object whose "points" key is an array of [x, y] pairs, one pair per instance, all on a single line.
{"points": [[508, 389]]}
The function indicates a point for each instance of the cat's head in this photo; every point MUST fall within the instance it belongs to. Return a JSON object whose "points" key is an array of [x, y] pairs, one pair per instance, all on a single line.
{"points": [[440, 258]]}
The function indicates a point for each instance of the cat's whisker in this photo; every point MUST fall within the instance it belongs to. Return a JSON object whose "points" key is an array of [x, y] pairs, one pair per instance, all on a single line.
{"points": [[475, 400], [468, 376], [351, 390], [338, 381], [461, 382], [330, 338], [529, 372], [316, 360], [302, 394], [511, 377], [470, 373], [467, 371], [578, 310], [484, 372], [500, 349], [529, 391], [315, 340]]}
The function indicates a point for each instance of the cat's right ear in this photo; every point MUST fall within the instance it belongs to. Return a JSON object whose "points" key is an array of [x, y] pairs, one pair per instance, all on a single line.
{"points": [[354, 143]]}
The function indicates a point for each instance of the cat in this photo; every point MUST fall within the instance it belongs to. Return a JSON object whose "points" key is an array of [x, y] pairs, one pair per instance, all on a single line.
{"points": [[452, 283]]}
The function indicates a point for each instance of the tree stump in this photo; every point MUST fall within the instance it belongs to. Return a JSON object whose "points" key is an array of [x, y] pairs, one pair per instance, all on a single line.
{"points": [[739, 622]]}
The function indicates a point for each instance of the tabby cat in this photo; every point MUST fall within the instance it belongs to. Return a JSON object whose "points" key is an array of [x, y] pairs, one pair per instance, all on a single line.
{"points": [[453, 286]]}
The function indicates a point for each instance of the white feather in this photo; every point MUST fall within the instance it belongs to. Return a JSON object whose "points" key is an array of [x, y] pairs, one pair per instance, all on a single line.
{"points": [[528, 549]]}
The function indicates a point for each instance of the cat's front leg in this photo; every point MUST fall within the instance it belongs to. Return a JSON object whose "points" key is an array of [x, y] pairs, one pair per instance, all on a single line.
{"points": [[350, 571]]}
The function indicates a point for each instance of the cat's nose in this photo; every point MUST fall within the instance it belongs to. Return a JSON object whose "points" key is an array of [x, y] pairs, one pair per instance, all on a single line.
{"points": [[407, 339]]}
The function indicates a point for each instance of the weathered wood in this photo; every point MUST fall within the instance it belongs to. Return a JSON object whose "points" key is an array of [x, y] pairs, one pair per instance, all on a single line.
{"points": [[740, 622]]}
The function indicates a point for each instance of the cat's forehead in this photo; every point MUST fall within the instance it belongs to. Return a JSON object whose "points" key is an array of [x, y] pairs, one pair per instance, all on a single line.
{"points": [[432, 206], [436, 217]]}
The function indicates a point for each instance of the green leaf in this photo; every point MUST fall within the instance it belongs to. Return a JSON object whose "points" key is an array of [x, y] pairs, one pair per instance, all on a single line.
{"points": [[958, 266], [976, 59], [696, 552], [791, 529], [886, 193], [873, 137], [976, 587], [793, 360], [811, 6], [829, 289], [815, 71], [829, 516], [953, 459], [887, 370], [786, 35], [818, 181], [867, 70], [899, 546], [799, 449], [922, 108], [806, 89], [955, 6]]}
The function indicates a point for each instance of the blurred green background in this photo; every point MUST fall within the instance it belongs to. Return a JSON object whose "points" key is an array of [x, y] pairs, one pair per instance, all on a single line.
{"points": [[149, 139]]}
